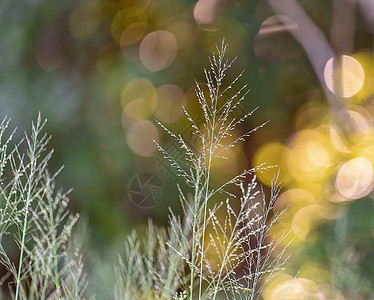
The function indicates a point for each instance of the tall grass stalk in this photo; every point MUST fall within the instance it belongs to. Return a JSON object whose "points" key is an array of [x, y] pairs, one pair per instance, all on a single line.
{"points": [[245, 256]]}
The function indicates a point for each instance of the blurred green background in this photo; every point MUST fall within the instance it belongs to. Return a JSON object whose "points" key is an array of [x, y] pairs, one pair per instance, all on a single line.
{"points": [[103, 71]]}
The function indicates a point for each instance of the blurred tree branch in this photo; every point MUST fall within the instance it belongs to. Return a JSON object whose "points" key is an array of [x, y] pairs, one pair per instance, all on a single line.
{"points": [[367, 8], [310, 37], [343, 25], [317, 46]]}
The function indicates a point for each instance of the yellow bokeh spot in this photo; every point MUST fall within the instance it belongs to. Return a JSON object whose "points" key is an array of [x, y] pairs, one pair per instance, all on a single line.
{"points": [[133, 33], [294, 199], [311, 156], [345, 76], [139, 98], [312, 114], [296, 289], [287, 287], [271, 154], [317, 153], [285, 238], [138, 109], [365, 58], [124, 18], [305, 218], [368, 153], [362, 143], [314, 271]]}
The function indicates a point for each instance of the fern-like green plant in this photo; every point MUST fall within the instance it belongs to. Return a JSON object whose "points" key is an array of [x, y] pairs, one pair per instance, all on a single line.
{"points": [[34, 217], [176, 263]]}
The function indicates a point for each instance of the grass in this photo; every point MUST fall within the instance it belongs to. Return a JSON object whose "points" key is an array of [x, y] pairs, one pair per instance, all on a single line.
{"points": [[218, 248], [177, 263], [34, 218]]}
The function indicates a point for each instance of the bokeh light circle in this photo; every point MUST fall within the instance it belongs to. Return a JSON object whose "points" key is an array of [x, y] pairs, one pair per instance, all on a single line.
{"points": [[295, 289], [158, 50], [140, 136], [133, 33], [294, 199], [125, 18], [305, 218], [271, 154], [360, 119], [139, 98], [138, 109], [205, 11], [337, 140], [355, 178], [311, 156], [344, 77]]}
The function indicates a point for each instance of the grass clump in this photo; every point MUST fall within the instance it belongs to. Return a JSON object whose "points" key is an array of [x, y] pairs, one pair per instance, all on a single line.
{"points": [[220, 248], [177, 262], [34, 219]]}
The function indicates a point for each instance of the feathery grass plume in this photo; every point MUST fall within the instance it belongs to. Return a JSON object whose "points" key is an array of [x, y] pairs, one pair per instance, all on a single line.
{"points": [[34, 216], [245, 256]]}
